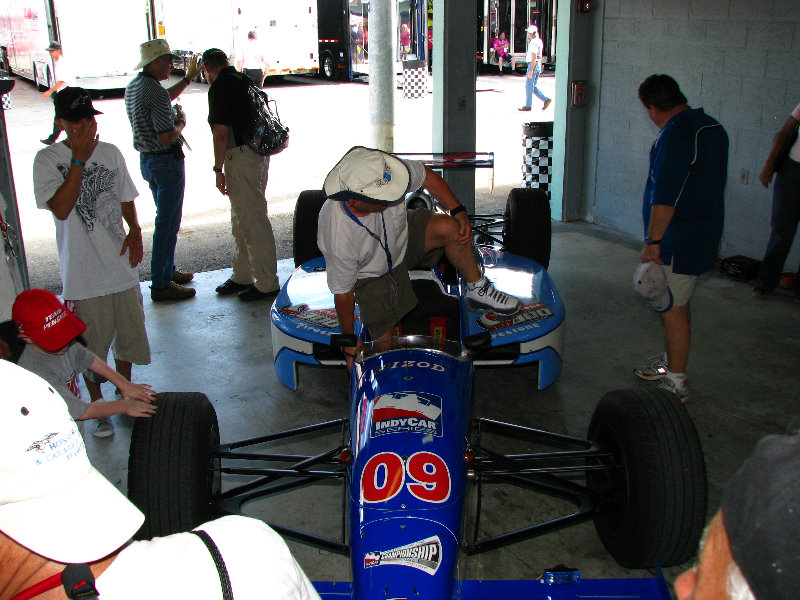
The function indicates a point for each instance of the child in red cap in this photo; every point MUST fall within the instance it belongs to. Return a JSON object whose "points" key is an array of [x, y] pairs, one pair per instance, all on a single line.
{"points": [[50, 330]]}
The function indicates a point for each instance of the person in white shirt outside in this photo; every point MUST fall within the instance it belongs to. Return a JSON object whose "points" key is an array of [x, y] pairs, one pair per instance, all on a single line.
{"points": [[534, 58], [59, 518], [64, 78], [252, 63]]}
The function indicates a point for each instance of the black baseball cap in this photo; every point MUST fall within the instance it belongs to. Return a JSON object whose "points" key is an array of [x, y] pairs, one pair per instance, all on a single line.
{"points": [[74, 104], [53, 46]]}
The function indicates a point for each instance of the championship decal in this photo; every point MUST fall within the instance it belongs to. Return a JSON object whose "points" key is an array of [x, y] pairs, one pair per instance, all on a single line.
{"points": [[527, 316], [325, 317], [425, 555], [407, 412]]}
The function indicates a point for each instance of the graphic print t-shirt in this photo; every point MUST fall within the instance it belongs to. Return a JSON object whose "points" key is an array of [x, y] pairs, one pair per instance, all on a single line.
{"points": [[90, 239]]}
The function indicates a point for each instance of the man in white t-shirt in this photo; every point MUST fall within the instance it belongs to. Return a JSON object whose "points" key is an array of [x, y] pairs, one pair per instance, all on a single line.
{"points": [[87, 187], [534, 58], [62, 522], [370, 240], [64, 77], [252, 62]]}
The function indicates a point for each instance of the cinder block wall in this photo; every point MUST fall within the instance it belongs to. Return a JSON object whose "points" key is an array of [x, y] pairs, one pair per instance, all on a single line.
{"points": [[738, 59]]}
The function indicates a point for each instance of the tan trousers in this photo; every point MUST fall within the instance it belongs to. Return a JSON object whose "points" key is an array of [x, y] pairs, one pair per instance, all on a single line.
{"points": [[254, 254]]}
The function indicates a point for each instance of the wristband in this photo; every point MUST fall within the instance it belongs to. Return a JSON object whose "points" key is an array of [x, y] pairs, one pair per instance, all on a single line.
{"points": [[458, 209], [75, 161], [187, 81], [217, 169], [649, 242]]}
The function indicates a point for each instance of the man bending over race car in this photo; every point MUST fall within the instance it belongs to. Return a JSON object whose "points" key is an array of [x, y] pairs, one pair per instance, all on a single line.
{"points": [[370, 241]]}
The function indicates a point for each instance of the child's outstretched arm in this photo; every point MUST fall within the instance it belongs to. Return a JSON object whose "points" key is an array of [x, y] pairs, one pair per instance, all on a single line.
{"points": [[132, 408], [128, 390]]}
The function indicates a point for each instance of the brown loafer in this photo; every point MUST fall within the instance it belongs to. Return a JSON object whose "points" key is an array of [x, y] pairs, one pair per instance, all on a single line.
{"points": [[172, 292]]}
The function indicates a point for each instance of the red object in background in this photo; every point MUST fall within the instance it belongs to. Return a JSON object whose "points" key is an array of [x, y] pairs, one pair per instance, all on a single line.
{"points": [[578, 93], [584, 6]]}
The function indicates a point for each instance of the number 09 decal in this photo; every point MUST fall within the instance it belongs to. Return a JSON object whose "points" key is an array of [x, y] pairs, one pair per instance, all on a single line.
{"points": [[384, 475]]}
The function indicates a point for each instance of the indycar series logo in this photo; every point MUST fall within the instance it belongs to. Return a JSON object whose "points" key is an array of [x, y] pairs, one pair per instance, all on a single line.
{"points": [[407, 412], [325, 317], [524, 319], [425, 555]]}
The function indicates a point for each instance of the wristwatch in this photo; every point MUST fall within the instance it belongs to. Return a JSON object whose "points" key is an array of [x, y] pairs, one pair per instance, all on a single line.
{"points": [[457, 209], [217, 169], [649, 242]]}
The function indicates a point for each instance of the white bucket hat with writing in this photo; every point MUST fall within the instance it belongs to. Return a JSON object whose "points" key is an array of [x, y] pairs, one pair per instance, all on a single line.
{"points": [[369, 175], [650, 281], [47, 484]]}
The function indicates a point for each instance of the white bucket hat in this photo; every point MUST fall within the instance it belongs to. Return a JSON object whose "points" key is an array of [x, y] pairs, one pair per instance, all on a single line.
{"points": [[369, 175], [650, 281], [152, 50], [47, 481]]}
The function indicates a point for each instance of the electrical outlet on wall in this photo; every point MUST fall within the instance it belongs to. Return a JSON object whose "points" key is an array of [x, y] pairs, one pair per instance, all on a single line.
{"points": [[744, 176]]}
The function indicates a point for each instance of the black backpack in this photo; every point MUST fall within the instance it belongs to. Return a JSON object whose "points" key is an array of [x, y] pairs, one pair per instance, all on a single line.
{"points": [[269, 135]]}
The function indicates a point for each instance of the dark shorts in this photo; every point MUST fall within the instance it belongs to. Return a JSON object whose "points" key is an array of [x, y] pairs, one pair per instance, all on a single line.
{"points": [[379, 311]]}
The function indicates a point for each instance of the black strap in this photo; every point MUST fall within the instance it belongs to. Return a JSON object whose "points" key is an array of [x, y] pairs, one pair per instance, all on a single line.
{"points": [[224, 579], [78, 582]]}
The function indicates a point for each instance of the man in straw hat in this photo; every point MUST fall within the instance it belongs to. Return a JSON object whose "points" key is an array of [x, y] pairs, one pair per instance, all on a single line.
{"points": [[370, 241], [157, 136], [65, 530]]}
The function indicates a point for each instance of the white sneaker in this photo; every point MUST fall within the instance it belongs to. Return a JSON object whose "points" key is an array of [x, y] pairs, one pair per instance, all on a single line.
{"points": [[681, 393], [654, 370], [104, 428], [483, 293]]}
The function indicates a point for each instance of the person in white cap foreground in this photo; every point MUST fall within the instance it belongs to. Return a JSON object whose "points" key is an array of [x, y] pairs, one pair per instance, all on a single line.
{"points": [[370, 240], [65, 531]]}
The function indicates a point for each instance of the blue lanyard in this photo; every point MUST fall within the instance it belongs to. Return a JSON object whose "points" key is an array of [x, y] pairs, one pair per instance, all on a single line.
{"points": [[384, 245]]}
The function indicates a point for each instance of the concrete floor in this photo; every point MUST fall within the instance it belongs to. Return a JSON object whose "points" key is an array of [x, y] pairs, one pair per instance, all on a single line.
{"points": [[744, 381]]}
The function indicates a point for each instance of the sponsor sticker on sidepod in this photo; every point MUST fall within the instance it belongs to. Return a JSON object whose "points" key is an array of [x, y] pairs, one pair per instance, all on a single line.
{"points": [[407, 412], [425, 555], [525, 318]]}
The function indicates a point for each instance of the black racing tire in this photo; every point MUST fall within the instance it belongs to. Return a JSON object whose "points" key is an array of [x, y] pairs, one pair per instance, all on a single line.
{"points": [[171, 475], [304, 228], [527, 228], [653, 508]]}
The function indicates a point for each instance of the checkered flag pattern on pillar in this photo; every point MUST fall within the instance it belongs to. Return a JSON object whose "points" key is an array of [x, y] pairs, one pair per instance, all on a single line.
{"points": [[538, 164], [415, 82]]}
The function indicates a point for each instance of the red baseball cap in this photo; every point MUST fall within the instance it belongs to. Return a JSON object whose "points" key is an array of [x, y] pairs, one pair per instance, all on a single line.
{"points": [[43, 318]]}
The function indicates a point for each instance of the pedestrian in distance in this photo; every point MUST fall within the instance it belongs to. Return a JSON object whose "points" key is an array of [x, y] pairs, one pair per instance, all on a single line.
{"points": [[241, 174], [85, 184], [534, 57], [64, 77], [785, 205], [683, 211], [157, 135]]}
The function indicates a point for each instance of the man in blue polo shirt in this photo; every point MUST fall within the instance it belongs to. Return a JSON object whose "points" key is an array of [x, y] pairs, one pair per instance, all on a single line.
{"points": [[683, 210]]}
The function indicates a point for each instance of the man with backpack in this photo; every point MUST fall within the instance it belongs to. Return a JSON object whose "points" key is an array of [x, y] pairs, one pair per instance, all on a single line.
{"points": [[241, 174]]}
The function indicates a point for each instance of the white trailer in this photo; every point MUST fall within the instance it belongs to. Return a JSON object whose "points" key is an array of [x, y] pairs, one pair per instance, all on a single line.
{"points": [[100, 38], [287, 30]]}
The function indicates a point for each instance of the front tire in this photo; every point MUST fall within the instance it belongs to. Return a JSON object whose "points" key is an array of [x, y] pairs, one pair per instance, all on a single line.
{"points": [[527, 228], [653, 507], [171, 478], [304, 228]]}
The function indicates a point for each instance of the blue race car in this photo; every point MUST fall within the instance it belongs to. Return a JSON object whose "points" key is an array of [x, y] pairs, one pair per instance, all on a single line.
{"points": [[412, 457]]}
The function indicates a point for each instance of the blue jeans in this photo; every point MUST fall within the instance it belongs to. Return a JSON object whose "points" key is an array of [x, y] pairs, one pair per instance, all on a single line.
{"points": [[166, 177], [785, 216], [530, 87]]}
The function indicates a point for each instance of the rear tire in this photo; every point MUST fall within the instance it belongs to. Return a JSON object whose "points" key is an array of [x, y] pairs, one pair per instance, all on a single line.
{"points": [[653, 508], [171, 478], [328, 67], [527, 229], [304, 228]]}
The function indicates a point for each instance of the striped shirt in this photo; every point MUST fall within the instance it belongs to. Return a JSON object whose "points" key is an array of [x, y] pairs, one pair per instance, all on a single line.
{"points": [[149, 110]]}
